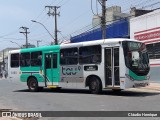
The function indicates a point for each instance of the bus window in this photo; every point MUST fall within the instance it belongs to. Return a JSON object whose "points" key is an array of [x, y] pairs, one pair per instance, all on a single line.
{"points": [[36, 58], [54, 60], [69, 56], [25, 59], [90, 54], [15, 60], [48, 61], [136, 57]]}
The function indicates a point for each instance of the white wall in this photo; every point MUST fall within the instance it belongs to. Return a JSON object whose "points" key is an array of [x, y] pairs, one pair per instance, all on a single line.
{"points": [[148, 25]]}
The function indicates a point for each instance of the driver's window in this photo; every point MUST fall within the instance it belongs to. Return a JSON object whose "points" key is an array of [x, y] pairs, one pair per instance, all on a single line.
{"points": [[135, 58]]}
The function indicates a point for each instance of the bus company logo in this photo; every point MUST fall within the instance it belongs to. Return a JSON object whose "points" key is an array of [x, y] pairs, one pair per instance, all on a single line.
{"points": [[22, 114], [71, 70]]}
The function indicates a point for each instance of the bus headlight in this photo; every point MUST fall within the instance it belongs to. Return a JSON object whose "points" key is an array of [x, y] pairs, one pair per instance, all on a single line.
{"points": [[129, 77]]}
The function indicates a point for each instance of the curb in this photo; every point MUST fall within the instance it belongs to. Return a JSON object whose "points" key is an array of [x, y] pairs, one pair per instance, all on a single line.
{"points": [[152, 86]]}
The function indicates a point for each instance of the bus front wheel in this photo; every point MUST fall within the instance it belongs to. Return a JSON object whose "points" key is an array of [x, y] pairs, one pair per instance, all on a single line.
{"points": [[95, 85], [33, 85]]}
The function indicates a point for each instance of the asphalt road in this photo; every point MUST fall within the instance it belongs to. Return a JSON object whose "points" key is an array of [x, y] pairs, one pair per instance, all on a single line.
{"points": [[15, 96], [154, 74]]}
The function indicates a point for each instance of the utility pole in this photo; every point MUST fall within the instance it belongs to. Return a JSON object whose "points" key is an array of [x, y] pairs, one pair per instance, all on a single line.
{"points": [[3, 61], [103, 19], [26, 34], [53, 12], [38, 41]]}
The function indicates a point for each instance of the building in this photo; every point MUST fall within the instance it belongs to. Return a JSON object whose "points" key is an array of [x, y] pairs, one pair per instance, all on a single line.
{"points": [[117, 26], [146, 28], [138, 12], [29, 46], [118, 29], [112, 14]]}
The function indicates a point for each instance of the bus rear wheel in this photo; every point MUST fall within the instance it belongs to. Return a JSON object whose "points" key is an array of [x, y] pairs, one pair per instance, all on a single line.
{"points": [[32, 85], [95, 85]]}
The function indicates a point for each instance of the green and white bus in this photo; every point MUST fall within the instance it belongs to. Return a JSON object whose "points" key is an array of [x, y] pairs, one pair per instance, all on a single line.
{"points": [[114, 64]]}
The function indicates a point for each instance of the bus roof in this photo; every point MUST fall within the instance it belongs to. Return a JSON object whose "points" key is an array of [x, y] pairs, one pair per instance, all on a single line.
{"points": [[86, 43], [43, 48], [96, 42], [14, 51]]}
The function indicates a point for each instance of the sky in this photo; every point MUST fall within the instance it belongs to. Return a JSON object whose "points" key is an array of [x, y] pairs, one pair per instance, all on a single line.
{"points": [[74, 15]]}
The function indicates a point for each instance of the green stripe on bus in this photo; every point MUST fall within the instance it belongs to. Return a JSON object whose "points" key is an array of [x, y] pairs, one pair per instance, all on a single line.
{"points": [[43, 48], [136, 77]]}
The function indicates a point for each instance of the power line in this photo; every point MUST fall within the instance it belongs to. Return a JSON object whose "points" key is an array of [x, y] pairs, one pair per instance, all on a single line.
{"points": [[26, 34], [152, 4], [64, 38], [139, 4], [41, 14], [97, 6], [92, 8], [13, 39], [9, 34], [52, 2], [53, 12], [60, 2], [108, 21], [67, 1]]}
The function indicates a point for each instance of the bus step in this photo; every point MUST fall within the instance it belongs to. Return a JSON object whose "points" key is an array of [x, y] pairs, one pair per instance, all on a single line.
{"points": [[52, 86], [112, 87]]}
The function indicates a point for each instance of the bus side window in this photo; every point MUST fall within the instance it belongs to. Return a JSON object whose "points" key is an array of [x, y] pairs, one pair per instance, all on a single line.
{"points": [[25, 59], [36, 58], [69, 56], [90, 54], [54, 60], [48, 61], [15, 60]]}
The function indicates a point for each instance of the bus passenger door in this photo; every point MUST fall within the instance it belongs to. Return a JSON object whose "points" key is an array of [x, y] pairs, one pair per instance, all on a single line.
{"points": [[112, 67], [51, 71]]}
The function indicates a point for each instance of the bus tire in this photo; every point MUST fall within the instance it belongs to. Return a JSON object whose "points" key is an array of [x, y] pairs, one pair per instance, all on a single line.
{"points": [[95, 85], [33, 85]]}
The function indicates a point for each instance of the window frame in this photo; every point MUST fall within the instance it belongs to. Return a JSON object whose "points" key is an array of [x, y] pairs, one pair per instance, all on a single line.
{"points": [[25, 60], [35, 59], [68, 58], [15, 60], [92, 60]]}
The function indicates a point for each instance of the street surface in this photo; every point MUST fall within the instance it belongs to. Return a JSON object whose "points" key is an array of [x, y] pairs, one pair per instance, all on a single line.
{"points": [[15, 96], [154, 74]]}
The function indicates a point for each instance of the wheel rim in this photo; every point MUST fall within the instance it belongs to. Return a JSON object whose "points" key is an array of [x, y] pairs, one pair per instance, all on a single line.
{"points": [[32, 85], [93, 85]]}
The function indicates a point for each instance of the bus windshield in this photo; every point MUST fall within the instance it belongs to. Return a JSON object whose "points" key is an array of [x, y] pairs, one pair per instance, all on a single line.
{"points": [[136, 57]]}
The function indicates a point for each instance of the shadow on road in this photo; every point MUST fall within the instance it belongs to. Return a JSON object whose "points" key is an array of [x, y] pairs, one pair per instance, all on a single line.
{"points": [[105, 92]]}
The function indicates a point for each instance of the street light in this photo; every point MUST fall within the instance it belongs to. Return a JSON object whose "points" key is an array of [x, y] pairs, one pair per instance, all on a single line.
{"points": [[44, 27], [15, 43]]}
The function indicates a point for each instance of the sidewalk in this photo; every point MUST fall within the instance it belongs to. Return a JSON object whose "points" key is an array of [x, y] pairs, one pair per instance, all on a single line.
{"points": [[153, 86]]}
